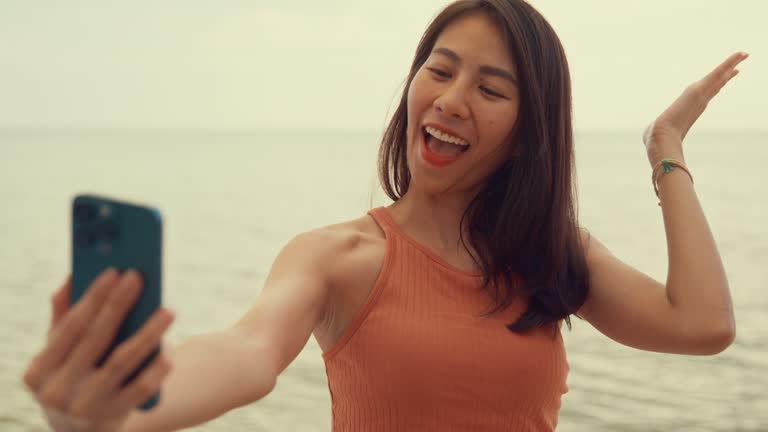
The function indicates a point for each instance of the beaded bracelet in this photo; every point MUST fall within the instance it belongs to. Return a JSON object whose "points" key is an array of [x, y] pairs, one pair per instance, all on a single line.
{"points": [[663, 167]]}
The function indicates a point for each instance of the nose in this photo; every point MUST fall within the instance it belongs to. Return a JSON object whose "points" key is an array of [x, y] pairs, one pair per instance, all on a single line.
{"points": [[453, 102]]}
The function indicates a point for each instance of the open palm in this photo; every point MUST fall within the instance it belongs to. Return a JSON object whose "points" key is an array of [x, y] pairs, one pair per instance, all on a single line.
{"points": [[675, 122]]}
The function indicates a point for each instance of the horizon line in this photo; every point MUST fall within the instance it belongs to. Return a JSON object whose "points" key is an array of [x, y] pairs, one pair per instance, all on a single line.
{"points": [[4, 129]]}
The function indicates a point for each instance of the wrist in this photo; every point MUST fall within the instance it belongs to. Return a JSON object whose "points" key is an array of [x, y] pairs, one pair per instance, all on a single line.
{"points": [[663, 168], [668, 149], [61, 422]]}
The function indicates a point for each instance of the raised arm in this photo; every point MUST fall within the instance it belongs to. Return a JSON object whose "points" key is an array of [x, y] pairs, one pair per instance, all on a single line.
{"points": [[693, 312]]}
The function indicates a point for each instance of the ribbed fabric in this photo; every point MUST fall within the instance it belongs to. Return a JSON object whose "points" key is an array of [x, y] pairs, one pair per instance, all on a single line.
{"points": [[418, 357]]}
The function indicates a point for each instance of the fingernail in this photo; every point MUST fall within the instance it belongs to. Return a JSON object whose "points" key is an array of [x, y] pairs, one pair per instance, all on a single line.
{"points": [[133, 273], [168, 316]]}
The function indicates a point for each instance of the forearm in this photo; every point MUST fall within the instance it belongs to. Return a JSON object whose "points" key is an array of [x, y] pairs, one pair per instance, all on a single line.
{"points": [[211, 374], [696, 282]]}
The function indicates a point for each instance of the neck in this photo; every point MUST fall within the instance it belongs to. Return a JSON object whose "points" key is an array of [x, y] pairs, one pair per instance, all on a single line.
{"points": [[432, 220]]}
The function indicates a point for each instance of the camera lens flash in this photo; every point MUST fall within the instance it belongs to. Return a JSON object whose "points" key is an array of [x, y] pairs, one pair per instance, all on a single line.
{"points": [[105, 210]]}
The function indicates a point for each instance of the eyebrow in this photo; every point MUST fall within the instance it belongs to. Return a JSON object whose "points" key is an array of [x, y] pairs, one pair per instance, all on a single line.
{"points": [[484, 69]]}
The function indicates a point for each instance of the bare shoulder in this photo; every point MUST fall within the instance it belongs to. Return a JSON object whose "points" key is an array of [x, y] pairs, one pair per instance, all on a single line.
{"points": [[345, 235], [330, 243], [339, 254], [314, 284], [352, 266], [350, 244]]}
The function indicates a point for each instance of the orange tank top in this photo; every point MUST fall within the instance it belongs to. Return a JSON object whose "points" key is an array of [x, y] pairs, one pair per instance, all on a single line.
{"points": [[419, 357]]}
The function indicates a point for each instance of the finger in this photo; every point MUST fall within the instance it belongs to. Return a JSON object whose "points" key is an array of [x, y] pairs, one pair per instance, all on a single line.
{"points": [[721, 73], [130, 354], [60, 302], [93, 398], [64, 330], [145, 385], [73, 324], [709, 86], [56, 391], [53, 395], [731, 62], [102, 329], [715, 87]]}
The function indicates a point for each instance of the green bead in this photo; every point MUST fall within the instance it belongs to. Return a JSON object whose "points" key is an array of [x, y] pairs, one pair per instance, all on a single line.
{"points": [[668, 167]]}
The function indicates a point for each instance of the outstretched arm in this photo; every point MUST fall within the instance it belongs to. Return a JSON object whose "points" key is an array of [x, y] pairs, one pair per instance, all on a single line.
{"points": [[212, 373], [217, 372]]}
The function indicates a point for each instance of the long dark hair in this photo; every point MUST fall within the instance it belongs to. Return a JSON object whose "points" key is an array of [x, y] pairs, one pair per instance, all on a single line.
{"points": [[523, 224]]}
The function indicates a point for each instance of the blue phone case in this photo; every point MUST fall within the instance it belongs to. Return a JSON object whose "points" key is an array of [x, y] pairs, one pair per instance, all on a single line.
{"points": [[109, 233]]}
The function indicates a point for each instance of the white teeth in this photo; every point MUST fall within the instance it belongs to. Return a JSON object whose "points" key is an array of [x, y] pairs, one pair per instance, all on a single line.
{"points": [[442, 136]]}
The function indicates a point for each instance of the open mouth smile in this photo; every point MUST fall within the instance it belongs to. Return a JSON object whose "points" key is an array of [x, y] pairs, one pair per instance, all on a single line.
{"points": [[441, 148]]}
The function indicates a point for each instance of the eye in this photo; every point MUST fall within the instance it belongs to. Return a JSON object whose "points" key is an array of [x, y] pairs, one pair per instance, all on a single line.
{"points": [[440, 73], [490, 92]]}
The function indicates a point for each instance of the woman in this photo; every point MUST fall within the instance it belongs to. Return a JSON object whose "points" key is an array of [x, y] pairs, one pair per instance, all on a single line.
{"points": [[442, 311]]}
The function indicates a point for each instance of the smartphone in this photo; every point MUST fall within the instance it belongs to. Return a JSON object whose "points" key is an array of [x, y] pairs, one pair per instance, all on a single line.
{"points": [[111, 233]]}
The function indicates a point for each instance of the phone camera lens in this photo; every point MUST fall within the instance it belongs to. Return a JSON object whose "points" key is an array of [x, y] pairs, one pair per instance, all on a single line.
{"points": [[84, 212], [85, 239], [109, 230]]}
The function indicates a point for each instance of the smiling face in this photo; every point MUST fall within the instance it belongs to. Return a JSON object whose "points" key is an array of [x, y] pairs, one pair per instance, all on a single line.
{"points": [[465, 93]]}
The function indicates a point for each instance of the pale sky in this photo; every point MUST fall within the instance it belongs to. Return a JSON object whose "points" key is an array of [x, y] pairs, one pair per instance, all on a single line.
{"points": [[339, 64]]}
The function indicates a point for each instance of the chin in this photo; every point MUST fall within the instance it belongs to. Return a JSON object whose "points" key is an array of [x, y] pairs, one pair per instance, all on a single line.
{"points": [[433, 186]]}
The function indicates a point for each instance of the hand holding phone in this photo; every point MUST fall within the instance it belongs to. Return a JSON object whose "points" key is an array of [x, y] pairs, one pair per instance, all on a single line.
{"points": [[97, 365]]}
